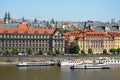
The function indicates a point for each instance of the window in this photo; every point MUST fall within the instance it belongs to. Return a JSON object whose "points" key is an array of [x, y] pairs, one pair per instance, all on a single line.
{"points": [[28, 36], [58, 45], [41, 36], [31, 36], [61, 45], [18, 36], [24, 36], [0, 36], [47, 41], [44, 36], [34, 36], [21, 36], [14, 36], [48, 36], [4, 36], [7, 36]]}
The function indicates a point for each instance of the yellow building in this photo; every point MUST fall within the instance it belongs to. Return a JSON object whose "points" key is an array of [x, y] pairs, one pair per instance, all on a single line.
{"points": [[87, 39], [116, 36]]}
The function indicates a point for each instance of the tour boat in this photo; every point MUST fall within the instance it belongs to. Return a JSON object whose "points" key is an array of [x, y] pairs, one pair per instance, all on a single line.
{"points": [[111, 61], [90, 66], [39, 63], [69, 63]]}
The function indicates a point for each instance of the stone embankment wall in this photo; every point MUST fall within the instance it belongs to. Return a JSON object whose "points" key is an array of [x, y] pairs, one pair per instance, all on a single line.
{"points": [[56, 58]]}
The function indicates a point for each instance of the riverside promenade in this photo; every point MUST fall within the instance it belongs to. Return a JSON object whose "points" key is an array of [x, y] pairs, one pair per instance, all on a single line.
{"points": [[28, 58]]}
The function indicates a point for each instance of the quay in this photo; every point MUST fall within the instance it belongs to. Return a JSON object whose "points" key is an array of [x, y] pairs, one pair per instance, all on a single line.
{"points": [[28, 58]]}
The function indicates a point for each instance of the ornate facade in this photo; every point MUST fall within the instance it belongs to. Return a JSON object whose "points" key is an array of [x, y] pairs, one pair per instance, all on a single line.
{"points": [[87, 39], [24, 38]]}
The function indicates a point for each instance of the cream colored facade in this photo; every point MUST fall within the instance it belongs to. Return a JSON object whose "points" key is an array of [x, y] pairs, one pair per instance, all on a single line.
{"points": [[117, 42], [96, 40]]}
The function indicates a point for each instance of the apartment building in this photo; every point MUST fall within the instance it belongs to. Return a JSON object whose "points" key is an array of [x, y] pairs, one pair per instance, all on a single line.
{"points": [[23, 38]]}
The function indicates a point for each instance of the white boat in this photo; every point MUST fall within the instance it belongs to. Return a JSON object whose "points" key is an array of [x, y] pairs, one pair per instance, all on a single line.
{"points": [[43, 63], [90, 66], [110, 61], [69, 63]]}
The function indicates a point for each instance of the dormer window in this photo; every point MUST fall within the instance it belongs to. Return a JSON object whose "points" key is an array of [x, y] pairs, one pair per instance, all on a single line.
{"points": [[45, 32], [16, 32], [5, 31], [36, 32], [26, 32]]}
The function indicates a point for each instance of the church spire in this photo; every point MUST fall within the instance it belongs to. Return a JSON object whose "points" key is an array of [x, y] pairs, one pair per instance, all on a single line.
{"points": [[9, 15], [6, 15], [7, 18]]}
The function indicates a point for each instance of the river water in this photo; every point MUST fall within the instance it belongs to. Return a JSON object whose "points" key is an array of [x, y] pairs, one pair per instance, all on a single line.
{"points": [[12, 72]]}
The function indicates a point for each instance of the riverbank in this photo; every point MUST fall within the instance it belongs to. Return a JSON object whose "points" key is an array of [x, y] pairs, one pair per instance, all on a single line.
{"points": [[4, 60], [8, 63]]}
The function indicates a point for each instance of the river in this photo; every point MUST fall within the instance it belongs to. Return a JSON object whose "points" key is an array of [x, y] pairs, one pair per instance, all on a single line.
{"points": [[12, 72]]}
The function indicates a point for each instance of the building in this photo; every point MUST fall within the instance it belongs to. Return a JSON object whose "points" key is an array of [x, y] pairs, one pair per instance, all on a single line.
{"points": [[86, 39], [116, 36], [1, 21], [7, 18], [23, 38]]}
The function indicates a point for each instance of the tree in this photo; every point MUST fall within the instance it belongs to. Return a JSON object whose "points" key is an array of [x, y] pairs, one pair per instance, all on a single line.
{"points": [[82, 52], [49, 52], [76, 49], [118, 50], [113, 50], [1, 52], [30, 51], [9, 52], [40, 52], [90, 51], [16, 51], [58, 52], [63, 30], [104, 51]]}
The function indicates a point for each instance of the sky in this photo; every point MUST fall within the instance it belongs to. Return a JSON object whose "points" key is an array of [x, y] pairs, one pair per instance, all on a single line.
{"points": [[62, 10]]}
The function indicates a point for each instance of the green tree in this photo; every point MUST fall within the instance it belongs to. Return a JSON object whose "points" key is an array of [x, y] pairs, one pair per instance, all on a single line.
{"points": [[90, 51], [1, 52], [40, 52], [104, 51], [82, 52], [118, 50], [30, 51], [49, 52], [63, 30], [9, 52], [113, 50], [58, 52], [16, 51], [76, 49]]}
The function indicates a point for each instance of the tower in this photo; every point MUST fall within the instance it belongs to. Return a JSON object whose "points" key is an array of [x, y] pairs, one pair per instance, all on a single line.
{"points": [[7, 18]]}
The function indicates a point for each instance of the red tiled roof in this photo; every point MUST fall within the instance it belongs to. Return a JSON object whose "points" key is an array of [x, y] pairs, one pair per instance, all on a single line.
{"points": [[22, 28], [116, 34], [84, 33], [1, 21]]}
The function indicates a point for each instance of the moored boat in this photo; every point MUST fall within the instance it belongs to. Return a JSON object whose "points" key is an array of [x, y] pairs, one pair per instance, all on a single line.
{"points": [[69, 63], [111, 61], [90, 66], [45, 63]]}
